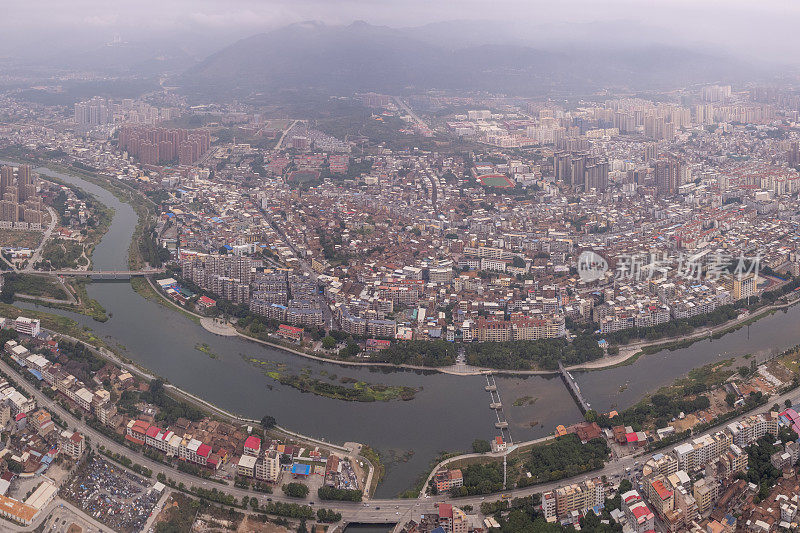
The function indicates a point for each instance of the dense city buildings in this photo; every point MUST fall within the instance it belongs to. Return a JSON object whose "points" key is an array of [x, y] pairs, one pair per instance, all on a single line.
{"points": [[155, 146], [21, 205], [470, 231]]}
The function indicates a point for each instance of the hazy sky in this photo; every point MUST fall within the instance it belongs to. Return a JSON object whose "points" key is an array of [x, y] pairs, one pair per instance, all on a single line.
{"points": [[765, 28]]}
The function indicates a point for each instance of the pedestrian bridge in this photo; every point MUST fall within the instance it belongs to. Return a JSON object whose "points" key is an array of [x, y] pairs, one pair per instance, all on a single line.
{"points": [[574, 389]]}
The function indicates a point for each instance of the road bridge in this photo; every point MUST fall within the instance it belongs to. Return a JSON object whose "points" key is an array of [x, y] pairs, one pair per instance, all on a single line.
{"points": [[107, 274]]}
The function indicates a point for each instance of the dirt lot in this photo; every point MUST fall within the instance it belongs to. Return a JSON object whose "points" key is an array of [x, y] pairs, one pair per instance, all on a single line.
{"points": [[57, 472], [19, 238], [247, 525], [784, 368], [686, 423]]}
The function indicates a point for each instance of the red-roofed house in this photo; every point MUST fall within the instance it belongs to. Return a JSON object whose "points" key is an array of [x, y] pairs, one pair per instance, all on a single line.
{"points": [[204, 303], [204, 450], [498, 444], [446, 516], [375, 345], [639, 516], [448, 479], [195, 451], [660, 497], [137, 431], [290, 332], [214, 461], [252, 446]]}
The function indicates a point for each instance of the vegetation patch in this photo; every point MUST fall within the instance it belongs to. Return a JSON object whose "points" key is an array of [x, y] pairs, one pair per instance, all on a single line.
{"points": [[685, 395], [564, 457], [524, 400], [206, 349], [31, 285], [360, 391], [380, 469], [86, 305], [527, 355]]}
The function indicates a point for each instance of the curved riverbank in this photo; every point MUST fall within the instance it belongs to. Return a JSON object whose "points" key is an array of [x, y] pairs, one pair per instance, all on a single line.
{"points": [[183, 395], [448, 414], [629, 353]]}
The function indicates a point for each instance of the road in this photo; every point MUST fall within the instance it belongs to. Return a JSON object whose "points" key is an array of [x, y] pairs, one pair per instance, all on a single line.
{"points": [[157, 509], [434, 184], [208, 155], [53, 514], [283, 135], [37, 253], [405, 107], [498, 455]]}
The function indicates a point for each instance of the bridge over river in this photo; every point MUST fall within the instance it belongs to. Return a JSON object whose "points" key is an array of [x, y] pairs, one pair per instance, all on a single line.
{"points": [[574, 389], [107, 274]]}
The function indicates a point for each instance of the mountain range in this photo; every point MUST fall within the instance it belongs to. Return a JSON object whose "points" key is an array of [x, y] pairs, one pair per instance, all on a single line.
{"points": [[363, 57], [545, 60]]}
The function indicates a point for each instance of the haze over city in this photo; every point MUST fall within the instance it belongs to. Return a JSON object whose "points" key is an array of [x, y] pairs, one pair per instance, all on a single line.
{"points": [[756, 31], [360, 266]]}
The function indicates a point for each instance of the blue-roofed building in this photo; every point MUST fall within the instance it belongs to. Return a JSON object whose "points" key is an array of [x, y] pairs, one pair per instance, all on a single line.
{"points": [[299, 469]]}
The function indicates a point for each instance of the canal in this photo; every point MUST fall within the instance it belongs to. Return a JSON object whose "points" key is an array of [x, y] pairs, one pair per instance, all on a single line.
{"points": [[447, 413]]}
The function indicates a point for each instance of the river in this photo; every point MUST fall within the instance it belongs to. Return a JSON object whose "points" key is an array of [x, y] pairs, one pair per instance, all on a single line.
{"points": [[447, 414]]}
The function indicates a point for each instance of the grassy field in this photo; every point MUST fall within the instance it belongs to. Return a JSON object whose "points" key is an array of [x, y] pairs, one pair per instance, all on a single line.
{"points": [[495, 181], [791, 361], [711, 375]]}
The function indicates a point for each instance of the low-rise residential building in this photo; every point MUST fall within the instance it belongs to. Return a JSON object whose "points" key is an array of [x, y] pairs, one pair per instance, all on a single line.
{"points": [[637, 514], [448, 479], [246, 466], [27, 326], [71, 443], [579, 497]]}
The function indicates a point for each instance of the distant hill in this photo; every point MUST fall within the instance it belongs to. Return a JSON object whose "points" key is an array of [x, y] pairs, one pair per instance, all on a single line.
{"points": [[362, 57]]}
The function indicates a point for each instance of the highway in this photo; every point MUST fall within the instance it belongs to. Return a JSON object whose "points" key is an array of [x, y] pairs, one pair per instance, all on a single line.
{"points": [[283, 135], [405, 107], [373, 511]]}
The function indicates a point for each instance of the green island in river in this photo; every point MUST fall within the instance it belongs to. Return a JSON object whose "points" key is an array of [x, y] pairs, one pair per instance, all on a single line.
{"points": [[361, 391]]}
